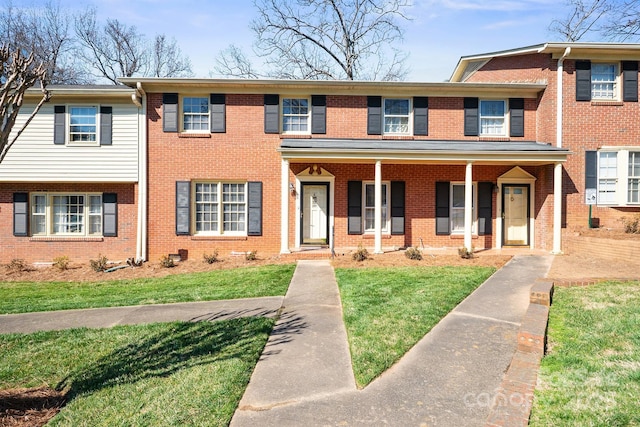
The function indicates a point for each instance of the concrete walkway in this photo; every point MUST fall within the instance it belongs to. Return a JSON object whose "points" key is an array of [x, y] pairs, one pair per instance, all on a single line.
{"points": [[107, 317], [448, 379]]}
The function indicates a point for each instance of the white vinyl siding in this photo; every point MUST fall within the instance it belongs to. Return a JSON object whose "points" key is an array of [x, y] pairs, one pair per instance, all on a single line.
{"points": [[35, 158]]}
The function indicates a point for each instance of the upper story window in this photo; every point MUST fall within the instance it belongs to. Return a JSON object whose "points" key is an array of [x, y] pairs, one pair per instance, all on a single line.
{"points": [[604, 79], [83, 127], [66, 214], [295, 115], [195, 114], [492, 117], [396, 116]]}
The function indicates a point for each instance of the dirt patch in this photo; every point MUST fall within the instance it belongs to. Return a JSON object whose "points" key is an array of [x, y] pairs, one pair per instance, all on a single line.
{"points": [[606, 233], [398, 259], [31, 407]]}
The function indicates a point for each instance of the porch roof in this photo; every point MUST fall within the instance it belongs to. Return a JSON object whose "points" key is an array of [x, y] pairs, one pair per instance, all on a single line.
{"points": [[421, 151]]}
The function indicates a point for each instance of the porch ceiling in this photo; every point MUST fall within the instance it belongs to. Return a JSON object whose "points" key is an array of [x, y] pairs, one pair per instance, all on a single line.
{"points": [[420, 152]]}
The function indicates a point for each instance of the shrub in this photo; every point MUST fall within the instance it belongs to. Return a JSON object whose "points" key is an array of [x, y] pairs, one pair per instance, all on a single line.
{"points": [[99, 264], [61, 262], [465, 253], [360, 254], [167, 262], [210, 258], [17, 264], [413, 253], [632, 224], [251, 255]]}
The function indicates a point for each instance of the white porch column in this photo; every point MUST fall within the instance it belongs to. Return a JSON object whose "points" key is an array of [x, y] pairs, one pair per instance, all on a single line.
{"points": [[557, 209], [468, 206], [378, 209], [284, 207]]}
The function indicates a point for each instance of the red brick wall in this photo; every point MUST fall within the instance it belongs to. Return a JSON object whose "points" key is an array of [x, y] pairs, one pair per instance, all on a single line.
{"points": [[586, 126], [78, 250]]}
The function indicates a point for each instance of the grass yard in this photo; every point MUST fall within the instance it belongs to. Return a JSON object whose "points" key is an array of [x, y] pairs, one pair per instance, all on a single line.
{"points": [[159, 374], [247, 282], [591, 375], [388, 310]]}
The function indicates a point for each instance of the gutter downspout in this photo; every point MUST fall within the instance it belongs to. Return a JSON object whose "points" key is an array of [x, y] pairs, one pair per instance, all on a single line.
{"points": [[557, 169], [141, 240]]}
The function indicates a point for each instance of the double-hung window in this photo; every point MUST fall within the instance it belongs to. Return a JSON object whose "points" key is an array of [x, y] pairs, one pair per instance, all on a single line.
{"points": [[295, 115], [195, 114], [607, 177], [66, 214], [83, 127], [492, 117], [369, 207], [633, 185], [457, 208], [396, 116], [604, 81], [220, 208]]}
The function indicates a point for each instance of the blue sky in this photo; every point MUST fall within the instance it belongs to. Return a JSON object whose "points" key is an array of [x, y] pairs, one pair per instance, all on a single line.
{"points": [[440, 31]]}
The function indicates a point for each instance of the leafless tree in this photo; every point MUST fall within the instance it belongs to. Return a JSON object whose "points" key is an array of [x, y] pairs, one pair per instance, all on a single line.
{"points": [[17, 74], [114, 50], [167, 59], [232, 62], [44, 31], [584, 17], [325, 39], [624, 24]]}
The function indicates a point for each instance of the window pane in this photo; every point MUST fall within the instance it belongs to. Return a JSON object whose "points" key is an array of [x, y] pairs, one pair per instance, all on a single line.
{"points": [[68, 214], [233, 197], [492, 118], [396, 107], [492, 108], [458, 196], [82, 124], [607, 177], [206, 207], [195, 112], [396, 116], [603, 80], [295, 115], [633, 195]]}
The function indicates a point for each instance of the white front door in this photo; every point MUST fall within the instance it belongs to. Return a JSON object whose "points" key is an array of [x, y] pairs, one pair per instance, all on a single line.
{"points": [[515, 214], [314, 213]]}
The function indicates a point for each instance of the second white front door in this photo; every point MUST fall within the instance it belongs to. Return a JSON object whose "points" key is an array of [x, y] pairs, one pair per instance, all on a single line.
{"points": [[314, 213], [515, 214]]}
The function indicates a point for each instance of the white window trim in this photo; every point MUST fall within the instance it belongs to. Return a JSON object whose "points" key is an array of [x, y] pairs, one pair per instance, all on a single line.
{"points": [[386, 225], [68, 126], [474, 222], [616, 82], [282, 115], [182, 114], [409, 131], [49, 214], [505, 117], [220, 203], [622, 178]]}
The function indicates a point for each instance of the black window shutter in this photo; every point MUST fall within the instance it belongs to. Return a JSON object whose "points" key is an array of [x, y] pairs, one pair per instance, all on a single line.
{"points": [[217, 111], [583, 80], [442, 208], [183, 206], [20, 214], [110, 214], [254, 215], [485, 209], [470, 117], [271, 114], [354, 203], [318, 114], [630, 81], [590, 169], [420, 115], [59, 120], [106, 120], [516, 113], [397, 207], [170, 112], [374, 115]]}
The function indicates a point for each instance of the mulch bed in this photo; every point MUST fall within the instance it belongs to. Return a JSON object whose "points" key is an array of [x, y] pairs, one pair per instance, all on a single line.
{"points": [[31, 407]]}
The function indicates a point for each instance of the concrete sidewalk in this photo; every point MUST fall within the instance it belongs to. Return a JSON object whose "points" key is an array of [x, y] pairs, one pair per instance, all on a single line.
{"points": [[448, 378], [107, 317]]}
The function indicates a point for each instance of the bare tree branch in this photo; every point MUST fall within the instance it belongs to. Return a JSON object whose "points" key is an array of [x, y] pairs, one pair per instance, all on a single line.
{"points": [[625, 23], [167, 59], [17, 74], [232, 62]]}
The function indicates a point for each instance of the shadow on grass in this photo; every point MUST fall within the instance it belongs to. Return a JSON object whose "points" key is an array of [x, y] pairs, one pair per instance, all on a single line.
{"points": [[185, 345]]}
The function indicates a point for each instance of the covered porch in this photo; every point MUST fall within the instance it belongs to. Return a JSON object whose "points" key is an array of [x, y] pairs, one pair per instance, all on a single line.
{"points": [[479, 188]]}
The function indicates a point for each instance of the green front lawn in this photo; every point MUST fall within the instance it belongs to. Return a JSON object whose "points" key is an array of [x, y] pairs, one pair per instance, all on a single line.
{"points": [[591, 374], [247, 282], [388, 310], [159, 374]]}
